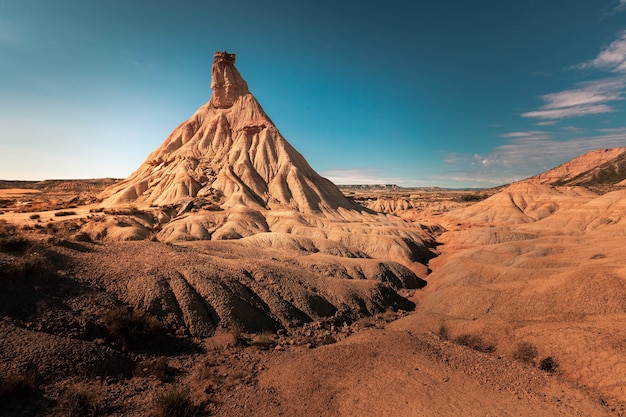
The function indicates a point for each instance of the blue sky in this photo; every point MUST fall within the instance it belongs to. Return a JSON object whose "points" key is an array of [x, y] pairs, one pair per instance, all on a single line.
{"points": [[421, 93]]}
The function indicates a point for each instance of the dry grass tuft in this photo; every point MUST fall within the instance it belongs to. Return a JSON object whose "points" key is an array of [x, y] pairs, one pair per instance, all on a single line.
{"points": [[17, 386], [176, 403], [444, 331], [525, 352], [157, 368], [79, 402], [264, 340], [131, 328], [475, 342], [365, 322]]}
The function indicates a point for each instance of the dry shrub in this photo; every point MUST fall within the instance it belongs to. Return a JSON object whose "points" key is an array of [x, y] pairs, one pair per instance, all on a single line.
{"points": [[17, 386], [13, 243], [475, 342], [264, 340], [327, 339], [157, 368], [64, 213], [236, 334], [444, 331], [525, 352], [6, 228], [79, 402], [549, 364], [131, 328], [176, 403], [24, 265], [365, 322]]}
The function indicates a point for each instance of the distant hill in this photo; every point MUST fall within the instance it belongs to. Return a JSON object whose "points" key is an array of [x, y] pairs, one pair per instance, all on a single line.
{"points": [[600, 169], [96, 185]]}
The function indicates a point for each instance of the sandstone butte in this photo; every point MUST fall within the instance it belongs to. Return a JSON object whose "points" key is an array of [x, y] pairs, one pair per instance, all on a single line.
{"points": [[228, 173]]}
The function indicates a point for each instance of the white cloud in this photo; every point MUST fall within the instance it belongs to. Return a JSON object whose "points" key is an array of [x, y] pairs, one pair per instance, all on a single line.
{"points": [[529, 153], [546, 151], [546, 123], [620, 7], [613, 57], [530, 133], [588, 98]]}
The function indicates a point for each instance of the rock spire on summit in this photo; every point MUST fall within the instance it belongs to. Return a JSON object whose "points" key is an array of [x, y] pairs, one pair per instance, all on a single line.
{"points": [[227, 84]]}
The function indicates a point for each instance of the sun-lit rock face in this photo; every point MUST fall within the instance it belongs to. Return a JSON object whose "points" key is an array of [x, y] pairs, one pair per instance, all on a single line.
{"points": [[227, 84], [227, 173], [228, 154]]}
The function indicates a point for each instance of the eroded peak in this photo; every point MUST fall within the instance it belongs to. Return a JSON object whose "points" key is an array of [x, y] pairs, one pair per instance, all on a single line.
{"points": [[226, 82]]}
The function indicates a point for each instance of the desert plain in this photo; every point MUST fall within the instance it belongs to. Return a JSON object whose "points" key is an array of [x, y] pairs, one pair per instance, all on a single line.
{"points": [[226, 277]]}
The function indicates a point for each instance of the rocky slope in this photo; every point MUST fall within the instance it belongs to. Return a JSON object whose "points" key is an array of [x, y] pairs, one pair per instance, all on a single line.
{"points": [[540, 263], [601, 167]]}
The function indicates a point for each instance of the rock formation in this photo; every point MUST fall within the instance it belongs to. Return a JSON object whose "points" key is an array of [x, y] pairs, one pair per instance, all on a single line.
{"points": [[228, 154], [228, 173]]}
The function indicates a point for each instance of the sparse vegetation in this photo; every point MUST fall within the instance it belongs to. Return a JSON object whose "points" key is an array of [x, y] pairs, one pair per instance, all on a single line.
{"points": [[475, 342], [365, 322], [65, 213], [549, 364], [236, 334], [327, 339], [264, 340], [34, 216], [14, 243], [16, 386], [157, 368], [176, 403], [472, 197], [444, 331], [78, 402], [525, 352], [131, 328]]}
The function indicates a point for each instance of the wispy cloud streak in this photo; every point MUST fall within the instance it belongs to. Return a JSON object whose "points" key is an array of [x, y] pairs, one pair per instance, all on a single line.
{"points": [[529, 153], [587, 98], [613, 57], [620, 7], [592, 97]]}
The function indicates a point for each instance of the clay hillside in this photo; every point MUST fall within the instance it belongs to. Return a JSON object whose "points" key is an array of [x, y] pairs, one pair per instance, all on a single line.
{"points": [[228, 154], [599, 168], [225, 277]]}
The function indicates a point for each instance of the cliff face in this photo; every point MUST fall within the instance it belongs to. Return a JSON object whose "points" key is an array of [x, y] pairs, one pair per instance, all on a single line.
{"points": [[229, 153]]}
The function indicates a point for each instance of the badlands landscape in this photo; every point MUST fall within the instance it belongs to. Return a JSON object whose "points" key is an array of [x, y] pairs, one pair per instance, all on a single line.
{"points": [[226, 277]]}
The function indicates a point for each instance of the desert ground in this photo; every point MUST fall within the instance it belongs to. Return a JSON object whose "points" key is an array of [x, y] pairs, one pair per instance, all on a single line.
{"points": [[287, 336], [226, 277]]}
